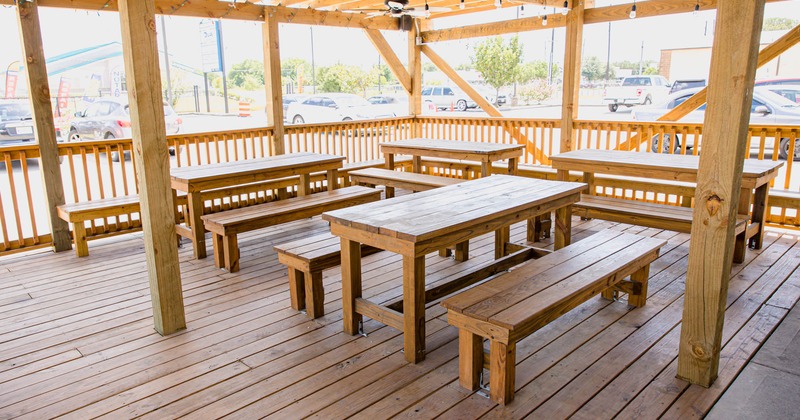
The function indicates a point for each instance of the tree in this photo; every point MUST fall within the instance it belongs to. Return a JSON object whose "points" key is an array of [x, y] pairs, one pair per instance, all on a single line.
{"points": [[535, 70], [249, 74], [464, 67], [779, 24], [381, 74], [498, 62], [428, 67], [593, 69], [343, 78]]}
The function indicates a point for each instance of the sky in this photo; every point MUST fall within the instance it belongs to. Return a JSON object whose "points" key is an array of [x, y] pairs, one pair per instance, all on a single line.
{"points": [[65, 30]]}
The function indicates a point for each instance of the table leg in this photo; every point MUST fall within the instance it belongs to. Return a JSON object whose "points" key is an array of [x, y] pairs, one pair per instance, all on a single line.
{"points": [[501, 237], [304, 186], [759, 214], [562, 175], [485, 169], [563, 228], [740, 242], [389, 158], [195, 202], [414, 308], [416, 164], [333, 179], [513, 164], [351, 285]]}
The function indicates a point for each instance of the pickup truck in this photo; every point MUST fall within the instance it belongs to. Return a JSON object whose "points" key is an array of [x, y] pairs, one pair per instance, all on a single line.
{"points": [[636, 90]]}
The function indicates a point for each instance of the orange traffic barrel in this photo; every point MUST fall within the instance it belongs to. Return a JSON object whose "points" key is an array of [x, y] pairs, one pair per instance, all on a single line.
{"points": [[244, 109]]}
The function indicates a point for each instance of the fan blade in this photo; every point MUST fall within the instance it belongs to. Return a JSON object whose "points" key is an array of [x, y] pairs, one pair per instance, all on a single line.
{"points": [[394, 4], [416, 13]]}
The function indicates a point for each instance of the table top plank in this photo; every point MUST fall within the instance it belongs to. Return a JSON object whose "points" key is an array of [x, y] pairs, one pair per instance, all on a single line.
{"points": [[453, 207], [251, 170], [463, 150], [656, 165]]}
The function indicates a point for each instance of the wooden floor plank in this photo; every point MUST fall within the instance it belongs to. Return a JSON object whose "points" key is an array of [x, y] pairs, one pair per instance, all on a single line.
{"points": [[77, 341]]}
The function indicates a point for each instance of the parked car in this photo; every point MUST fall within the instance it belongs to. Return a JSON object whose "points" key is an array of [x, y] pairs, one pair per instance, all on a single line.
{"points": [[289, 99], [331, 107], [398, 104], [16, 124], [447, 97], [767, 108], [783, 81], [110, 118], [679, 85], [636, 90], [790, 92]]}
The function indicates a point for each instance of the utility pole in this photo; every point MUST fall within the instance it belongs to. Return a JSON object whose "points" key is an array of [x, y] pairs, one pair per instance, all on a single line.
{"points": [[222, 64], [166, 60], [608, 55], [313, 69], [550, 64], [641, 58]]}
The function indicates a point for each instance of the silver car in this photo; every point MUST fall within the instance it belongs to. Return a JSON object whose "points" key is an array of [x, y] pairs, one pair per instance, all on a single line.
{"points": [[110, 118], [768, 108], [16, 124]]}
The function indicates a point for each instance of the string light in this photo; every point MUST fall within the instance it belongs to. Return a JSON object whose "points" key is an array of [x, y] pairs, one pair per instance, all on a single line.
{"points": [[461, 5], [544, 20], [696, 8], [565, 10], [522, 10], [498, 3], [427, 10], [633, 10]]}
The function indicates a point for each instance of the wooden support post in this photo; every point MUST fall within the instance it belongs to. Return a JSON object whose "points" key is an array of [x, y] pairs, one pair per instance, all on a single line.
{"points": [[138, 27], [39, 88], [572, 75], [272, 81], [733, 67], [394, 64], [415, 72]]}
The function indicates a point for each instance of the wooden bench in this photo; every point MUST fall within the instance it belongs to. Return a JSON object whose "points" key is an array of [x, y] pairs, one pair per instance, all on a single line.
{"points": [[306, 259], [659, 216], [78, 213], [226, 225], [395, 179], [511, 306]]}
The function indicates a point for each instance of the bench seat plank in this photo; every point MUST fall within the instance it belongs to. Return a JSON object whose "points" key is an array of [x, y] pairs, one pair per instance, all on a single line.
{"points": [[226, 225], [406, 180], [306, 258], [513, 305]]}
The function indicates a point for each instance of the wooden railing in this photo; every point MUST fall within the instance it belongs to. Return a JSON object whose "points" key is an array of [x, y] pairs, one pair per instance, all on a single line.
{"points": [[100, 169]]}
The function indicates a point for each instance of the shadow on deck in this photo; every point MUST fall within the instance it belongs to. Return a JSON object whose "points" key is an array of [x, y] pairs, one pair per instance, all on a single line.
{"points": [[77, 339]]}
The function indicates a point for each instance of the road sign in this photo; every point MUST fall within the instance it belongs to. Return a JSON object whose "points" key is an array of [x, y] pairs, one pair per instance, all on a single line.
{"points": [[210, 47]]}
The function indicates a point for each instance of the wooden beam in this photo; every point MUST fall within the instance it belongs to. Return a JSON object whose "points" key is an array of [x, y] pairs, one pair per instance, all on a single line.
{"points": [[390, 58], [771, 52], [202, 9], [515, 133], [324, 18], [572, 76], [272, 81], [44, 127], [151, 157], [649, 8], [733, 69]]}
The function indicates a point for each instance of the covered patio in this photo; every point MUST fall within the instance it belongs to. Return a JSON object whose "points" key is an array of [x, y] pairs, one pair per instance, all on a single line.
{"points": [[77, 333]]}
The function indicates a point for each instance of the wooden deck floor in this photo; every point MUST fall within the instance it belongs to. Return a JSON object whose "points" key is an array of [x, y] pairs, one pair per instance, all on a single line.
{"points": [[76, 340]]}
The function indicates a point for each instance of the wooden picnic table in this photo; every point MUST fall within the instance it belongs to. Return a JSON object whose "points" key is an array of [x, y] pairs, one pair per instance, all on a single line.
{"points": [[756, 176], [417, 224], [193, 180], [485, 153]]}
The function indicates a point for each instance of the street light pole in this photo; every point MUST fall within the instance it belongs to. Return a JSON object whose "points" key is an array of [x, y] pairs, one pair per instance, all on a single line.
{"points": [[166, 60], [313, 69]]}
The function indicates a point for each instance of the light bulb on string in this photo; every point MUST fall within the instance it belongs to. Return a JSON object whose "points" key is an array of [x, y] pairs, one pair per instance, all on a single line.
{"points": [[544, 20], [565, 10], [696, 8], [461, 5], [427, 10], [633, 11], [522, 10], [498, 3]]}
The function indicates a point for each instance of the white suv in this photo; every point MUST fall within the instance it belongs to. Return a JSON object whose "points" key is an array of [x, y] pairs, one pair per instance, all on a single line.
{"points": [[447, 97]]}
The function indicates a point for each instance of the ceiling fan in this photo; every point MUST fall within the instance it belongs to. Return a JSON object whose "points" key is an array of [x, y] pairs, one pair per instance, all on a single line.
{"points": [[397, 8]]}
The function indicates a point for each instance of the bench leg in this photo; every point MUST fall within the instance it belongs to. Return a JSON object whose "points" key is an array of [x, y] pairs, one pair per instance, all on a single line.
{"points": [[740, 247], [502, 361], [445, 253], [462, 251], [501, 237], [297, 288], [610, 294], [539, 227], [79, 233], [231, 246], [640, 277], [219, 253], [315, 295], [470, 359]]}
